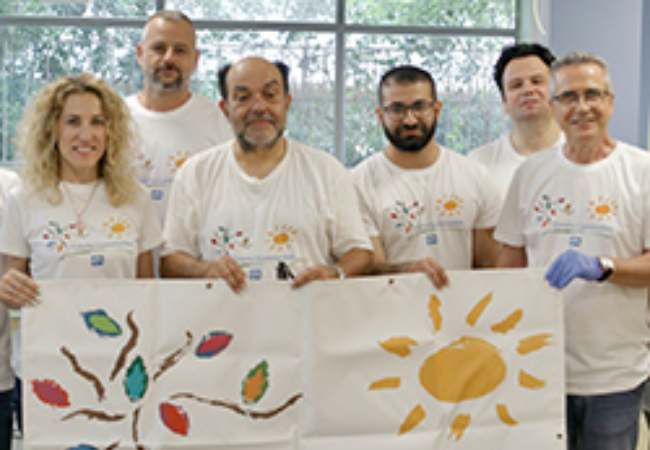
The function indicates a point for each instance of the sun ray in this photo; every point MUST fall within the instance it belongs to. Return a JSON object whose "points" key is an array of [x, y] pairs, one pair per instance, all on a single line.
{"points": [[416, 416], [476, 312], [400, 346], [529, 381], [386, 383], [533, 343], [459, 425], [508, 323], [504, 415], [434, 312]]}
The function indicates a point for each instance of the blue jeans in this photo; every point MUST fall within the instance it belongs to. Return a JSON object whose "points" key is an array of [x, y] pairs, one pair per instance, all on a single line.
{"points": [[604, 422], [6, 430]]}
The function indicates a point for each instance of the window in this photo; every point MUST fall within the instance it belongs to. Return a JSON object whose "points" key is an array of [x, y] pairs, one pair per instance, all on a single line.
{"points": [[337, 50]]}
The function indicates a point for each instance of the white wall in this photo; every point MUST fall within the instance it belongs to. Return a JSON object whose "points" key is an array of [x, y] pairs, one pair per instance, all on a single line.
{"points": [[614, 30]]}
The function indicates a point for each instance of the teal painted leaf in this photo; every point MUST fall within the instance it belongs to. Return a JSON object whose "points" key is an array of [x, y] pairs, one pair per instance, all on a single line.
{"points": [[256, 383], [137, 380], [101, 323]]}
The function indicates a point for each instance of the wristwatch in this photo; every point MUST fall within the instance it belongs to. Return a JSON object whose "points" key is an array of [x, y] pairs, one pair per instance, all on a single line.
{"points": [[607, 268]]}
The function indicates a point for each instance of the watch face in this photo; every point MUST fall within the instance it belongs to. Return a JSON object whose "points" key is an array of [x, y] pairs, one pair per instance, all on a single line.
{"points": [[606, 268]]}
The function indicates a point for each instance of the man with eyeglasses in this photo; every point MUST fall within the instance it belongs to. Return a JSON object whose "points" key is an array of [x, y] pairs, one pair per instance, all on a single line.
{"points": [[584, 209], [425, 207], [522, 73]]}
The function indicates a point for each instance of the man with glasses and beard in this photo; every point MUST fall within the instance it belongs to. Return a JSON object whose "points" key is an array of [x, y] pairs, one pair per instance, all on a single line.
{"points": [[173, 123], [425, 207]]}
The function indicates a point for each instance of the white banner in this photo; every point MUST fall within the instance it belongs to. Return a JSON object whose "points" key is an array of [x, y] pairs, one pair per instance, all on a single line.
{"points": [[376, 363]]}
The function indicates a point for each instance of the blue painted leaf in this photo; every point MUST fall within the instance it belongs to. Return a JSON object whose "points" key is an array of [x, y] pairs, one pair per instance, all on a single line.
{"points": [[137, 380], [213, 344], [82, 447], [101, 323]]}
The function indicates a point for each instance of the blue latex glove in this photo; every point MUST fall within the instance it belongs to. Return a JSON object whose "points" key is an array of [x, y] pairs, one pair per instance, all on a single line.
{"points": [[570, 265]]}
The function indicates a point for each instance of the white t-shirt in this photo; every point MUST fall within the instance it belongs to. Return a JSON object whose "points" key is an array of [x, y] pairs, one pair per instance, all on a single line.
{"points": [[304, 213], [170, 138], [431, 212], [7, 181], [601, 208], [47, 234], [502, 160]]}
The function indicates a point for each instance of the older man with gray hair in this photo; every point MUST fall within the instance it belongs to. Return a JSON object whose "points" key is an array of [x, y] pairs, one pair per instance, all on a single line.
{"points": [[584, 209]]}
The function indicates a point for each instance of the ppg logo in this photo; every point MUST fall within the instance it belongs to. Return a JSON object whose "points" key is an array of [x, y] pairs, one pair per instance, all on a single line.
{"points": [[96, 260]]}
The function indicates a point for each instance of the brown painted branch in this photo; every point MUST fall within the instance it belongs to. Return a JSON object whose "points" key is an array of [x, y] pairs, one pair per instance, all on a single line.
{"points": [[172, 359], [93, 414], [113, 446], [130, 345], [238, 409], [86, 374], [134, 426]]}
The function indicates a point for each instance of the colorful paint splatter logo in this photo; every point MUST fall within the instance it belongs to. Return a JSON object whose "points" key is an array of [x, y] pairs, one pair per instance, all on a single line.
{"points": [[58, 237], [547, 210], [603, 209], [406, 217], [137, 376], [226, 241], [469, 368], [450, 205]]}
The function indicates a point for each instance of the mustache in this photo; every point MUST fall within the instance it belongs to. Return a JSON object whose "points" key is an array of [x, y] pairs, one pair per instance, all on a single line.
{"points": [[257, 116], [168, 66]]}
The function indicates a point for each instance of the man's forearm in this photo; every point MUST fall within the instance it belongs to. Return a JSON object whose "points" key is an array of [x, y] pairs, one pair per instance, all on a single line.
{"points": [[182, 265]]}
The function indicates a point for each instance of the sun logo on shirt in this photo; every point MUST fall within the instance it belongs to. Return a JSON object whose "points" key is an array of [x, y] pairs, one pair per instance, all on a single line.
{"points": [[449, 205], [177, 160], [117, 227], [281, 237], [468, 369], [603, 208]]}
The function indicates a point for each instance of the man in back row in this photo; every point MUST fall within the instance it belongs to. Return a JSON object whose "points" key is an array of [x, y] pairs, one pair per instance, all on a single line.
{"points": [[173, 123], [522, 73], [262, 206], [426, 208]]}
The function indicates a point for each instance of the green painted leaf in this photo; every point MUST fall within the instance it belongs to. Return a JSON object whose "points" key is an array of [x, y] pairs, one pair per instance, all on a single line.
{"points": [[101, 323], [256, 383], [137, 380]]}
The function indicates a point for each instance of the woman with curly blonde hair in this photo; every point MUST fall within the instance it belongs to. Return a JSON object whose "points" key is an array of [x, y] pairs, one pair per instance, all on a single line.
{"points": [[80, 212]]}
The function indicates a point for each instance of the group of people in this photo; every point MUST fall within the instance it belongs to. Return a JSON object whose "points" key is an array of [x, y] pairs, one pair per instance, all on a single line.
{"points": [[241, 202]]}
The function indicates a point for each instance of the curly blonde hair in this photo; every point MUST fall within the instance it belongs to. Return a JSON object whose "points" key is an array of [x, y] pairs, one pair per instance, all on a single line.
{"points": [[38, 140]]}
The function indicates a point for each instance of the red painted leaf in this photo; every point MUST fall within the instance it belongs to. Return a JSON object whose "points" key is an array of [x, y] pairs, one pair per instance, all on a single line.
{"points": [[213, 344], [49, 392], [174, 418]]}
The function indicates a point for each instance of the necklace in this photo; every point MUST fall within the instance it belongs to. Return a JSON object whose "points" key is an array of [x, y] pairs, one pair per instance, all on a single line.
{"points": [[79, 225]]}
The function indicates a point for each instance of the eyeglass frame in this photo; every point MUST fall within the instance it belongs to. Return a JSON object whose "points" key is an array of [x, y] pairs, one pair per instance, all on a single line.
{"points": [[420, 109], [591, 96]]}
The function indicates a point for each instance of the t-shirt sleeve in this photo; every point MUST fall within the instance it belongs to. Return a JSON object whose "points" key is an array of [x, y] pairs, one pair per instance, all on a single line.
{"points": [[367, 218], [181, 224], [510, 225], [13, 241], [346, 224], [151, 233], [490, 200]]}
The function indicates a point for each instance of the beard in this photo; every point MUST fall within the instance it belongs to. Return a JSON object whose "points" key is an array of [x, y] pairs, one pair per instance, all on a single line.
{"points": [[411, 144], [173, 85], [248, 145]]}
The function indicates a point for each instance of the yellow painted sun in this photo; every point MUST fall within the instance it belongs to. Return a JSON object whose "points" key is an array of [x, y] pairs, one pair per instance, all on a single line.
{"points": [[281, 237], [467, 369], [603, 209], [449, 205], [177, 160], [117, 227]]}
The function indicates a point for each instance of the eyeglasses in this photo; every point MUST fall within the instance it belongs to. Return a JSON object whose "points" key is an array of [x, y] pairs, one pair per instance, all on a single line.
{"points": [[590, 96], [398, 111]]}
